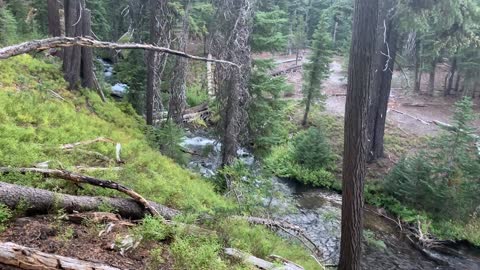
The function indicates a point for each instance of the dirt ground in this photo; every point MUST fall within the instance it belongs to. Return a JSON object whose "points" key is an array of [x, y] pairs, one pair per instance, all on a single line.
{"points": [[81, 241], [412, 113]]}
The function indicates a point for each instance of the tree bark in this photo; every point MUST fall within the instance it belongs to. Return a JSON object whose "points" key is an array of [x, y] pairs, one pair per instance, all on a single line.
{"points": [[54, 28], [453, 71], [33, 259], [232, 42], [355, 145], [88, 77], [82, 179], [457, 83], [386, 52], [72, 55], [160, 26], [431, 84], [418, 66], [41, 201], [178, 89]]}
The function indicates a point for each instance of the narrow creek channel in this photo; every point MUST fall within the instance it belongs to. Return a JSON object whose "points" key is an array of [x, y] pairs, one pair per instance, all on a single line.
{"points": [[318, 212]]}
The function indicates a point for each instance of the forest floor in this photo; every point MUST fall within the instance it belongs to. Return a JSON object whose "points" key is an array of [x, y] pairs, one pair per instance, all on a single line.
{"points": [[410, 112]]}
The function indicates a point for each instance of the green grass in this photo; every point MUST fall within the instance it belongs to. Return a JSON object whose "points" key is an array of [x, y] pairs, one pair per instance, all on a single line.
{"points": [[34, 123]]}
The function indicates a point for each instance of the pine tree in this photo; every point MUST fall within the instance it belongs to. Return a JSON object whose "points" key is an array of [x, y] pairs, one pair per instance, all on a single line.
{"points": [[317, 68]]}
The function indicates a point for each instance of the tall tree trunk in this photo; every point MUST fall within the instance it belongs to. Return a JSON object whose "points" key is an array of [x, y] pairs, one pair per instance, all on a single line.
{"points": [[431, 83], [457, 83], [159, 35], [418, 66], [386, 52], [72, 55], [334, 35], [234, 18], [355, 146], [453, 71], [178, 86], [54, 28], [88, 77], [307, 108]]}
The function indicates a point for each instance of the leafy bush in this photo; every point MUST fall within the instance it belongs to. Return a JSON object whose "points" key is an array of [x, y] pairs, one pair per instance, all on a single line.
{"points": [[198, 252], [167, 139], [312, 149], [442, 180], [5, 215], [283, 164], [196, 95], [153, 228]]}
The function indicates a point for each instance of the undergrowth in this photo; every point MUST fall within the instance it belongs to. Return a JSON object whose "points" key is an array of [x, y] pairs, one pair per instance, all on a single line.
{"points": [[35, 121]]}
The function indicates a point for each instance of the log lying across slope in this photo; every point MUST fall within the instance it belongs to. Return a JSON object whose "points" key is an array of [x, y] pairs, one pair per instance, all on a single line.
{"points": [[41, 201], [65, 42], [80, 179], [29, 258]]}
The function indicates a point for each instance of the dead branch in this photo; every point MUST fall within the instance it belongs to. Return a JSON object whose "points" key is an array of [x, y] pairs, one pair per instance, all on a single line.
{"points": [[257, 262], [411, 116], [449, 127], [64, 42], [39, 201], [92, 153], [95, 169], [82, 179], [73, 145], [33, 259]]}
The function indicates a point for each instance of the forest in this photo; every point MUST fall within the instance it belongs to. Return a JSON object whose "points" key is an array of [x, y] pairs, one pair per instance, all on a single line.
{"points": [[239, 134]]}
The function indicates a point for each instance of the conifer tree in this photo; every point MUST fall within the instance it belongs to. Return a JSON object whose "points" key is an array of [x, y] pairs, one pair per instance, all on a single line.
{"points": [[317, 68]]}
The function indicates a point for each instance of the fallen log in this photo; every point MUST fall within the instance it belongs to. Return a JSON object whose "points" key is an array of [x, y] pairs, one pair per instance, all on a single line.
{"points": [[196, 109], [411, 116], [33, 259], [82, 179], [286, 70], [39, 201], [259, 263], [65, 42]]}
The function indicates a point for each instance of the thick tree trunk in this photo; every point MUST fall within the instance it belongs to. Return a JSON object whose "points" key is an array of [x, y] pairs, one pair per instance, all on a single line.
{"points": [[41, 201], [355, 145], [54, 28], [33, 259], [418, 66], [386, 51], [307, 109], [431, 83], [232, 42], [453, 71], [88, 77], [178, 86], [334, 35], [72, 55]]}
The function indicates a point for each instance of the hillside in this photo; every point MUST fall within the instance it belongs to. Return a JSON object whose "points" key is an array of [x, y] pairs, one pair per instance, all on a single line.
{"points": [[38, 115]]}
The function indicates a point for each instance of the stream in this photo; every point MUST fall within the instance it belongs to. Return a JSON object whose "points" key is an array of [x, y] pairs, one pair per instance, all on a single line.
{"points": [[318, 212]]}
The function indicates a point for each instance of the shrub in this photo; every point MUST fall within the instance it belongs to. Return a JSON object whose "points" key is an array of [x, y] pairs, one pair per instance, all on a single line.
{"points": [[197, 252], [442, 180], [5, 215], [312, 149], [167, 139], [153, 228], [196, 95]]}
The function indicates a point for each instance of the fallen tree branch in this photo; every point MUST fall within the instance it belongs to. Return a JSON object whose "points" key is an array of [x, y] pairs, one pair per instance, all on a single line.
{"points": [[92, 153], [411, 116], [82, 179], [39, 201], [257, 262], [73, 145], [33, 259], [451, 128], [64, 42]]}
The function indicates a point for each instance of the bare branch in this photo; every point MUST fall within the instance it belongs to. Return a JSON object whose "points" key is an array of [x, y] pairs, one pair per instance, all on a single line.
{"points": [[64, 42]]}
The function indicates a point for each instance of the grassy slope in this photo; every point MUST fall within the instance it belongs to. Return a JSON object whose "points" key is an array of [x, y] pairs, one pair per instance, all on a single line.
{"points": [[33, 123]]}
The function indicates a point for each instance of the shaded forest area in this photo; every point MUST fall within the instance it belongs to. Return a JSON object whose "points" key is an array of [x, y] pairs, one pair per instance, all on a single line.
{"points": [[249, 134]]}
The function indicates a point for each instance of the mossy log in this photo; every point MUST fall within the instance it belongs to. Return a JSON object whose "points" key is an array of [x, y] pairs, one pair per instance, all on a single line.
{"points": [[39, 201]]}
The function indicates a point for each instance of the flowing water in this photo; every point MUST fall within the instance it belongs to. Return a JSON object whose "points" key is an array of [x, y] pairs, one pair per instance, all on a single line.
{"points": [[118, 89], [318, 212]]}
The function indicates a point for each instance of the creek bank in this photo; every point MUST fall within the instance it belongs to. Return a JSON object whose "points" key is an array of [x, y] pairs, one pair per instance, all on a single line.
{"points": [[318, 212]]}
